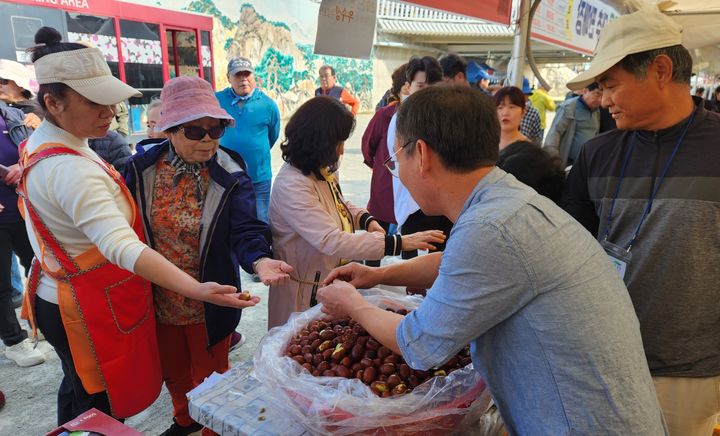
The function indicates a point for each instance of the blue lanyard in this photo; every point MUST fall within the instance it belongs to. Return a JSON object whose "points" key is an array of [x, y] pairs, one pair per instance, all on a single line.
{"points": [[651, 198]]}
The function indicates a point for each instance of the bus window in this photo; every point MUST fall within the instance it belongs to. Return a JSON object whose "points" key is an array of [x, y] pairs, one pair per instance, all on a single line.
{"points": [[142, 57], [142, 54], [97, 32], [206, 55], [182, 52]]}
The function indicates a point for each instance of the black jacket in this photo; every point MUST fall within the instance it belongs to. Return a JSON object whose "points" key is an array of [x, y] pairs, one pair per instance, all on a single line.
{"points": [[113, 148], [673, 275], [29, 106]]}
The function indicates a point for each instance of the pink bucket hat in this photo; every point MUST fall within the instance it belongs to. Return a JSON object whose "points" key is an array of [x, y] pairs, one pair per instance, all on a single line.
{"points": [[188, 98]]}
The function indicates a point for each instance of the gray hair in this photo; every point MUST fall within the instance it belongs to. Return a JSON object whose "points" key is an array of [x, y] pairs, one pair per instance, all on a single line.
{"points": [[638, 63], [154, 103]]}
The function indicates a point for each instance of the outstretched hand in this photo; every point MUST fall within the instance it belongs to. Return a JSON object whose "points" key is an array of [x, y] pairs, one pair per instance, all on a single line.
{"points": [[424, 240], [224, 295], [273, 271]]}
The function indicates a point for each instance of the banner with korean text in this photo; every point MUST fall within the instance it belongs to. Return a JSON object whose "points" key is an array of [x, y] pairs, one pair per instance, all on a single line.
{"points": [[572, 24]]}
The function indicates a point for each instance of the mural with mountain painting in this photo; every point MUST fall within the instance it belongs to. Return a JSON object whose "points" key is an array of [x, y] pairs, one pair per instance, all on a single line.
{"points": [[278, 38]]}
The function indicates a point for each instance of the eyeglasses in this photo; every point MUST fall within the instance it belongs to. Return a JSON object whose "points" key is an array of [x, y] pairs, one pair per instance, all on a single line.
{"points": [[391, 163], [196, 133]]}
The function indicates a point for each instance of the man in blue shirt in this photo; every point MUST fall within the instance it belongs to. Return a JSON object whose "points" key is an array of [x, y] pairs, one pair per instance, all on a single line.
{"points": [[551, 326], [257, 126]]}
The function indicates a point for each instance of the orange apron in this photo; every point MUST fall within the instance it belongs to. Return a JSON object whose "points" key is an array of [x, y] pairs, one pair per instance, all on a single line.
{"points": [[107, 311]]}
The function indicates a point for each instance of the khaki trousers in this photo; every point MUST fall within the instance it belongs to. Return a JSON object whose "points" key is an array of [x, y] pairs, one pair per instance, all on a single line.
{"points": [[691, 406]]}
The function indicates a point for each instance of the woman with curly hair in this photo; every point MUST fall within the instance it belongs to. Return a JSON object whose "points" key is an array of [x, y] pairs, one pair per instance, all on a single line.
{"points": [[313, 227]]}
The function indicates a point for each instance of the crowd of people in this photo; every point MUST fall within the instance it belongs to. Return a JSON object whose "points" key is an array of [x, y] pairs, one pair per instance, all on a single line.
{"points": [[584, 277]]}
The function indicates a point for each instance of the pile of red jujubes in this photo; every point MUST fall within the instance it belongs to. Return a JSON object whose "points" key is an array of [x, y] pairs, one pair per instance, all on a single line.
{"points": [[343, 348]]}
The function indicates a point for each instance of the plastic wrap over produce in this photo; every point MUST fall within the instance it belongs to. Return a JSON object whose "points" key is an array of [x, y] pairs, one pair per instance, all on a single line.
{"points": [[340, 406]]}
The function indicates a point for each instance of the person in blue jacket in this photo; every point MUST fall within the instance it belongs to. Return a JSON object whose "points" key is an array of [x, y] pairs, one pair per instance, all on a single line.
{"points": [[198, 209], [257, 126]]}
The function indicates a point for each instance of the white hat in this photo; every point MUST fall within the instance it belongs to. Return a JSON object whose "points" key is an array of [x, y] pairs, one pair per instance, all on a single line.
{"points": [[643, 30], [16, 72], [87, 73]]}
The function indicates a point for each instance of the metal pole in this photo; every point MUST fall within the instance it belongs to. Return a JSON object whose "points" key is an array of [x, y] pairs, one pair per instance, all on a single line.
{"points": [[517, 61], [528, 48]]}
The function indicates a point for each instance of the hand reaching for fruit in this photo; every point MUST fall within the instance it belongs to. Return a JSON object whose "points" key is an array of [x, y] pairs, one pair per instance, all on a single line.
{"points": [[338, 298]]}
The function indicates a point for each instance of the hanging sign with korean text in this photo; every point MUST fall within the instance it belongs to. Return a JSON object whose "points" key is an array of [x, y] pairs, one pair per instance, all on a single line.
{"points": [[346, 28]]}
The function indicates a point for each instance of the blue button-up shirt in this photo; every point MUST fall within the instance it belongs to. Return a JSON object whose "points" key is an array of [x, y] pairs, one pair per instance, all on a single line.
{"points": [[551, 326]]}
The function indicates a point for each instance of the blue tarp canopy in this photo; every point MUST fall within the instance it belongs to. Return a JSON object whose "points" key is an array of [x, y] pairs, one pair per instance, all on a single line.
{"points": [[480, 70]]}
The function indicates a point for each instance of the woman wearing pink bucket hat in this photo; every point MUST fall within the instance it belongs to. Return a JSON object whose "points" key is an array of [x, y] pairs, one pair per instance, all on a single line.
{"points": [[198, 209]]}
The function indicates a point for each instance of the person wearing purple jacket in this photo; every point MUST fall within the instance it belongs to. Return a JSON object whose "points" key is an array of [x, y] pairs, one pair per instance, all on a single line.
{"points": [[13, 237]]}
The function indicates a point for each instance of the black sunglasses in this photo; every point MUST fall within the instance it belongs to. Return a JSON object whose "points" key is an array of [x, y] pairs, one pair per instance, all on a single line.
{"points": [[196, 133], [4, 81]]}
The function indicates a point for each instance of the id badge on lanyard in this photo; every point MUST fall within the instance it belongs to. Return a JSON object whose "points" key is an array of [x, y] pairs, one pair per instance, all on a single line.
{"points": [[619, 256]]}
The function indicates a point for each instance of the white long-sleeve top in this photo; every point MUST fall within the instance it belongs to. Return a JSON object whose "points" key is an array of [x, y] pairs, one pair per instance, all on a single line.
{"points": [[405, 205], [80, 204]]}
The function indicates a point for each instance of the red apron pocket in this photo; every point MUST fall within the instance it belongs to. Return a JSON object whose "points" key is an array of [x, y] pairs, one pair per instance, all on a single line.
{"points": [[130, 302]]}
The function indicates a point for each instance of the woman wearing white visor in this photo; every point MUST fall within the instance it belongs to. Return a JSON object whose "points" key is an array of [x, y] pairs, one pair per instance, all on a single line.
{"points": [[89, 292], [15, 91]]}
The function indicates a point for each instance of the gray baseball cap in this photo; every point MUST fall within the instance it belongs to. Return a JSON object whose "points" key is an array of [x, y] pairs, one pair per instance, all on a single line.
{"points": [[239, 64]]}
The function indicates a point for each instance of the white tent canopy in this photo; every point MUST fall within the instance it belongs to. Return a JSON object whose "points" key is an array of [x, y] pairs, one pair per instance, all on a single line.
{"points": [[699, 18]]}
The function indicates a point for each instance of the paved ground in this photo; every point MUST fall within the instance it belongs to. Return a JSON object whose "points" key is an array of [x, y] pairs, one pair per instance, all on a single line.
{"points": [[31, 392]]}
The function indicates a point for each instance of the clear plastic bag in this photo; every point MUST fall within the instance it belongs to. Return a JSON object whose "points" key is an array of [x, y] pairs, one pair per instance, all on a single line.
{"points": [[340, 406]]}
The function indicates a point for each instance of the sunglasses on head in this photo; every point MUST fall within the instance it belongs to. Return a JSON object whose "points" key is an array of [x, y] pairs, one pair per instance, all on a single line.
{"points": [[196, 133]]}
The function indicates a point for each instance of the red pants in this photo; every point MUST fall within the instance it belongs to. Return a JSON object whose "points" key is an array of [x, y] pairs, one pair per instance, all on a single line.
{"points": [[186, 361]]}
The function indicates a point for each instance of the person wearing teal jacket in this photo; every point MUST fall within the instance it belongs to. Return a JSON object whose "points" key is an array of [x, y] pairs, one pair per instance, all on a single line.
{"points": [[257, 126]]}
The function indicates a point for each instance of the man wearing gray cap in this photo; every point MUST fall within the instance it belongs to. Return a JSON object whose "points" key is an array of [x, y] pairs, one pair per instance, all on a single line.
{"points": [[649, 192], [257, 126]]}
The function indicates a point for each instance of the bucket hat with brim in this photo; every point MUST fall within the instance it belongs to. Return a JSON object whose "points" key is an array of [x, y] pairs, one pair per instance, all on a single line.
{"points": [[188, 98], [87, 73]]}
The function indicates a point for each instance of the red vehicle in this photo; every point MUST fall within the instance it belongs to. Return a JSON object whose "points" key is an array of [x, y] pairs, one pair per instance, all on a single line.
{"points": [[144, 45]]}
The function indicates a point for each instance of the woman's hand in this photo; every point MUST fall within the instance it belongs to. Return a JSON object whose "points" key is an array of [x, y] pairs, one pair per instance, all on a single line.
{"points": [[422, 240], [273, 271], [32, 121], [223, 295], [375, 227], [13, 176]]}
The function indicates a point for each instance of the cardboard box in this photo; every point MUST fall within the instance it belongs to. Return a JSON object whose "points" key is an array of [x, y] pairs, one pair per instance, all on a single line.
{"points": [[96, 422]]}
